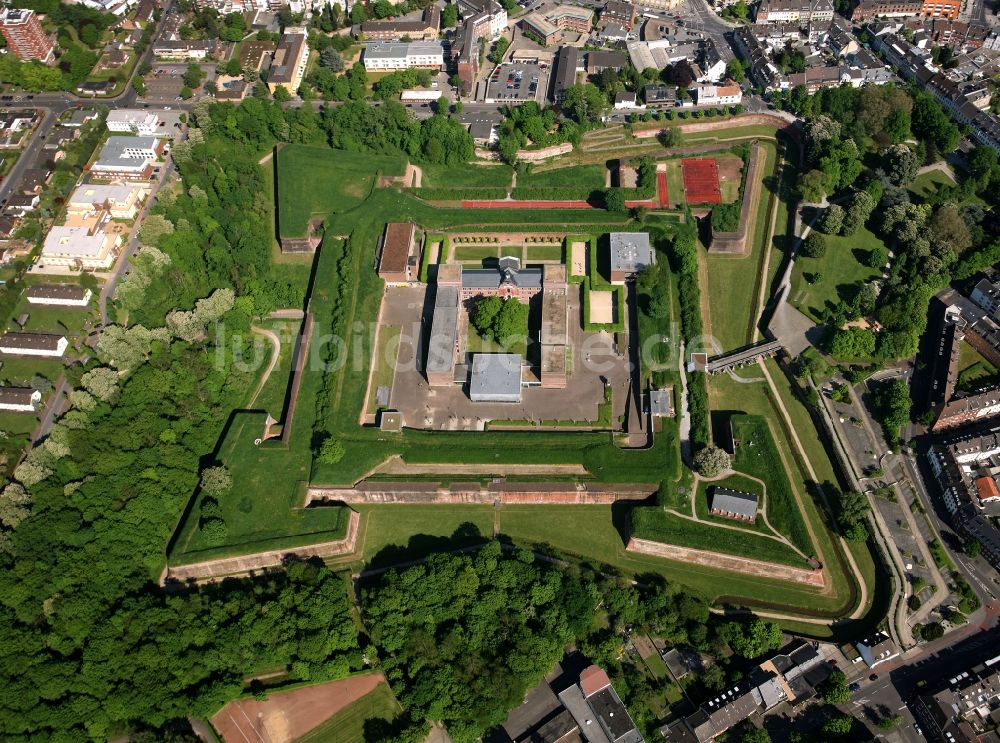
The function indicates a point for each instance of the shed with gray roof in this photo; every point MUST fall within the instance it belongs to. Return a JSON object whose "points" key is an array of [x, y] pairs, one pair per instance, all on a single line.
{"points": [[733, 504], [630, 253]]}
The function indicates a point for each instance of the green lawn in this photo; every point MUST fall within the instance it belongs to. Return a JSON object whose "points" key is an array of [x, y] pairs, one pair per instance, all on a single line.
{"points": [[472, 176], [675, 181], [263, 510], [974, 371], [272, 394], [543, 253], [397, 533], [316, 181], [574, 176], [478, 344], [384, 363], [734, 281], [734, 482], [348, 725], [927, 183], [475, 252], [841, 269]]}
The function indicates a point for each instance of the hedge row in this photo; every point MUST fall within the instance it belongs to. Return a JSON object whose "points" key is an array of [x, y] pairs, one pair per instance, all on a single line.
{"points": [[559, 193], [726, 217], [684, 261]]}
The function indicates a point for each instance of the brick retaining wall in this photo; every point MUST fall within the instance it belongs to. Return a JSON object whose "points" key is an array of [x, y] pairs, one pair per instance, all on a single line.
{"points": [[721, 561], [472, 493]]}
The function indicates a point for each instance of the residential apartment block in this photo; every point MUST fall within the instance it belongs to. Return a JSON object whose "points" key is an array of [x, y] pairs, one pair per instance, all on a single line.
{"points": [[80, 247], [134, 121], [426, 29], [793, 11], [290, 60], [966, 707], [129, 158], [25, 36], [549, 24], [120, 201], [403, 56], [727, 94]]}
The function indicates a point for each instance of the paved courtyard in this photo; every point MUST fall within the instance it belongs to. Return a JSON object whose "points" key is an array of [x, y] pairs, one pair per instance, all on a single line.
{"points": [[449, 408]]}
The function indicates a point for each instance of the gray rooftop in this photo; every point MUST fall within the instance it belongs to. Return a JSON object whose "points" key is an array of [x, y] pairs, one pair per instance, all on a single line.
{"points": [[630, 251], [496, 377], [491, 278], [116, 149], [444, 329], [394, 50], [734, 501], [661, 402]]}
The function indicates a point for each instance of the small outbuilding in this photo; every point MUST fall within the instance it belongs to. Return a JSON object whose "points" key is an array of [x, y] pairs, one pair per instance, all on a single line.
{"points": [[733, 504], [496, 377], [630, 253]]}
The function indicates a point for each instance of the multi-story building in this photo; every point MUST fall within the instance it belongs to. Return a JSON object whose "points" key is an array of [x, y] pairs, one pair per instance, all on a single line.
{"points": [[79, 247], [426, 29], [793, 11], [727, 94], [288, 66], [134, 121], [966, 466], [619, 12], [25, 36], [550, 24], [465, 54], [488, 18], [965, 709], [120, 201], [867, 10], [404, 56], [130, 158]]}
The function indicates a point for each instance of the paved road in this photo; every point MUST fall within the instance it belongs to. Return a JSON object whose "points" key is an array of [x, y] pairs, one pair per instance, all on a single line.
{"points": [[27, 158], [121, 265], [51, 410]]}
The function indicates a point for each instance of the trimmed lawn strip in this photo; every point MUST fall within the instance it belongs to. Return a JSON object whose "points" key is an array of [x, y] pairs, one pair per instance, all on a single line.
{"points": [[575, 177], [599, 532], [733, 281], [658, 525], [757, 455], [734, 482], [470, 176], [841, 270], [384, 362], [315, 181], [402, 532], [476, 252], [544, 252], [272, 394], [348, 725]]}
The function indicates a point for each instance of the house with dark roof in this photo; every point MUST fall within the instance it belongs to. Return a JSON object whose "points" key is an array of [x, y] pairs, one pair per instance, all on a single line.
{"points": [[33, 180], [33, 344], [733, 504], [594, 699], [19, 399], [63, 295]]}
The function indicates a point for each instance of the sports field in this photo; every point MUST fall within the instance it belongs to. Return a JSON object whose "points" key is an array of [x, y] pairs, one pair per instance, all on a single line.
{"points": [[701, 180], [313, 182]]}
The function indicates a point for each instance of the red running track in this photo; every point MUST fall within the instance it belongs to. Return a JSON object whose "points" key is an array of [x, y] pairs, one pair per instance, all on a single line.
{"points": [[661, 181]]}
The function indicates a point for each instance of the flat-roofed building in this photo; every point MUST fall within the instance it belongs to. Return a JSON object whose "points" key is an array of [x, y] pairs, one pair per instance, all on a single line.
{"points": [[397, 253], [121, 201], [496, 377], [128, 158], [427, 55], [630, 253], [441, 348], [19, 399], [133, 121], [291, 58], [78, 247], [549, 24], [615, 722], [733, 504], [553, 337], [59, 295], [33, 344], [25, 36]]}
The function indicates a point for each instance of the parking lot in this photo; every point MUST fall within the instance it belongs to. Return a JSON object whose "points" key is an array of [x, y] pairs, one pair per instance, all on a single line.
{"points": [[517, 83], [164, 82]]}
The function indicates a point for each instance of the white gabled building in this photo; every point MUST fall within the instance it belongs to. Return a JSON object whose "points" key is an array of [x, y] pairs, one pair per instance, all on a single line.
{"points": [[404, 55], [60, 295], [19, 399], [728, 94], [33, 344], [134, 121]]}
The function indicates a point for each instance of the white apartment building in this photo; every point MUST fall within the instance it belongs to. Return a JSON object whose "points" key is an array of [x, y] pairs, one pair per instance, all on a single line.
{"points": [[404, 56], [79, 248], [717, 95], [121, 201], [133, 121]]}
